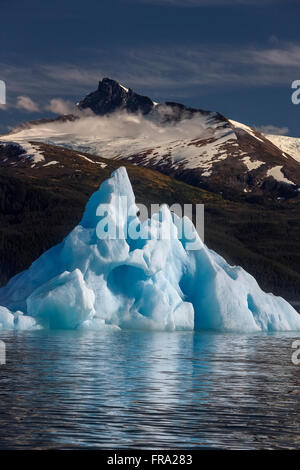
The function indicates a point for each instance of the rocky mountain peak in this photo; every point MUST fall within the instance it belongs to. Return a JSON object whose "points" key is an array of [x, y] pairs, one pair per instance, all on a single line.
{"points": [[111, 96]]}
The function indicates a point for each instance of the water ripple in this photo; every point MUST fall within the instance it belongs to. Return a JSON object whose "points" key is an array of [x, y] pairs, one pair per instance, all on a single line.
{"points": [[148, 390]]}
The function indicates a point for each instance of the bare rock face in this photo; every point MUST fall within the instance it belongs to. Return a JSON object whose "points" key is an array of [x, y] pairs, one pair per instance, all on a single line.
{"points": [[111, 96]]}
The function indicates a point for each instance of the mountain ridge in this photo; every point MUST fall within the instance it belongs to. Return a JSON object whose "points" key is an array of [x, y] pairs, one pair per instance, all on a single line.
{"points": [[202, 148]]}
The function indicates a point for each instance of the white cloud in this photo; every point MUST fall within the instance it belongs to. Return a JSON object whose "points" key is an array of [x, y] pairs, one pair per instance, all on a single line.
{"points": [[124, 131], [59, 106], [71, 74], [271, 129], [286, 56], [24, 102]]}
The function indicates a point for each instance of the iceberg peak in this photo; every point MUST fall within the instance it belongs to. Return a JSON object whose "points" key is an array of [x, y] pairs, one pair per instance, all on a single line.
{"points": [[117, 185]]}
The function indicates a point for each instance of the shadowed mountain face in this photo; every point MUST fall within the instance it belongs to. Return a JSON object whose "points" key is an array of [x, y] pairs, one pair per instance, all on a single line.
{"points": [[111, 96]]}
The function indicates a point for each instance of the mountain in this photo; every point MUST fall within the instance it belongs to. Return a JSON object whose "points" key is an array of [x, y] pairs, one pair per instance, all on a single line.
{"points": [[202, 148]]}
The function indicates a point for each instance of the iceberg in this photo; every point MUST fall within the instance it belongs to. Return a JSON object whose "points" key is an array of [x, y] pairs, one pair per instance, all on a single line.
{"points": [[122, 281]]}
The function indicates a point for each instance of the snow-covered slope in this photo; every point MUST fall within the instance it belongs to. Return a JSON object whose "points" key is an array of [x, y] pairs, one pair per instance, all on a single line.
{"points": [[289, 145], [196, 143], [138, 279]]}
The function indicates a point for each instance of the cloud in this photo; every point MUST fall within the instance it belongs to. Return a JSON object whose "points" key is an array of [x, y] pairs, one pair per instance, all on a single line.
{"points": [[24, 102], [43, 80], [121, 129], [287, 56], [59, 106], [71, 74], [163, 72], [271, 129], [180, 68]]}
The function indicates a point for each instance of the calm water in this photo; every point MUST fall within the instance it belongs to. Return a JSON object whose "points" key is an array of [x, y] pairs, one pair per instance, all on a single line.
{"points": [[148, 390]]}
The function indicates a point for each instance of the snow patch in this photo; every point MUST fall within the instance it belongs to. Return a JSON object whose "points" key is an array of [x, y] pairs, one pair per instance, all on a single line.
{"points": [[30, 150], [252, 165], [33, 153], [101, 164], [276, 173], [124, 88], [54, 162]]}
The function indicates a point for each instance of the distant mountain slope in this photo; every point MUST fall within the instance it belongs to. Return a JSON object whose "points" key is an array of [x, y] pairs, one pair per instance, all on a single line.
{"points": [[41, 202], [233, 159], [289, 145]]}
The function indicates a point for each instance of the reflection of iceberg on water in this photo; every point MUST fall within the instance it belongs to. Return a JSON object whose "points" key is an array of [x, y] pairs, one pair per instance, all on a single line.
{"points": [[129, 282]]}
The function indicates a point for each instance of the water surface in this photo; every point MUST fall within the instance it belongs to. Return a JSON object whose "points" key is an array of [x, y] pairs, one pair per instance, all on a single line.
{"points": [[148, 390]]}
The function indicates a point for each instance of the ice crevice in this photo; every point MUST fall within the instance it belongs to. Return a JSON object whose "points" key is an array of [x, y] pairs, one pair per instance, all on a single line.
{"points": [[87, 282]]}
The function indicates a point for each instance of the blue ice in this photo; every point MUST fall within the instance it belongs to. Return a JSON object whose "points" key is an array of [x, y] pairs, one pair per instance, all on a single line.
{"points": [[87, 282]]}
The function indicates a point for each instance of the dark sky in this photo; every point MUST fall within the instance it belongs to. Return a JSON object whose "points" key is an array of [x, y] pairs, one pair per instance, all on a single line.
{"points": [[237, 57]]}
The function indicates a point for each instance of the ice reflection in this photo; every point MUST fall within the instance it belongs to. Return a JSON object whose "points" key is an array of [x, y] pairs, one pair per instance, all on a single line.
{"points": [[148, 389]]}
